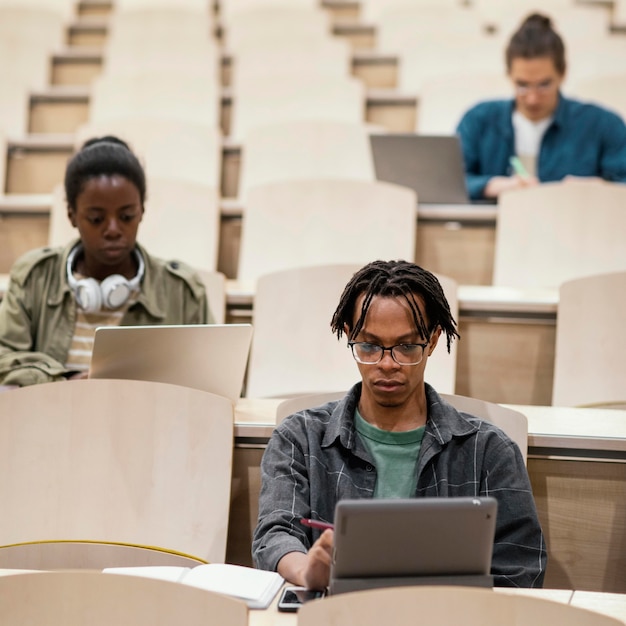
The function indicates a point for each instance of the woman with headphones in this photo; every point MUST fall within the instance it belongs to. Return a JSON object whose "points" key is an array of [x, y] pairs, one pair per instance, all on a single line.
{"points": [[58, 296]]}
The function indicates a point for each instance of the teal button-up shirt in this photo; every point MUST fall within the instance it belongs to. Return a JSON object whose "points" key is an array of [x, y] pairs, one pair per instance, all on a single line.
{"points": [[582, 140]]}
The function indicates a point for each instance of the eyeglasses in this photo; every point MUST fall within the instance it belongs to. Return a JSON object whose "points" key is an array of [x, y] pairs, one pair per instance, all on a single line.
{"points": [[402, 353], [542, 88]]}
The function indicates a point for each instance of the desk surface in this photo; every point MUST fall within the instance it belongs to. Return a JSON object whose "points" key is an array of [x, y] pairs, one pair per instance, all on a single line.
{"points": [[568, 428], [472, 298], [477, 299]]}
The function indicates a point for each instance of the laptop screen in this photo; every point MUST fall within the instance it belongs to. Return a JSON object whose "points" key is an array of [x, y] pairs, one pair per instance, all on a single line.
{"points": [[430, 165], [209, 357], [423, 537]]}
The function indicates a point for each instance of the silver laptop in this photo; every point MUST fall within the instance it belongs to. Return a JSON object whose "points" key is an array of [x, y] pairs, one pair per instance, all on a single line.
{"points": [[417, 541], [210, 357], [431, 165]]}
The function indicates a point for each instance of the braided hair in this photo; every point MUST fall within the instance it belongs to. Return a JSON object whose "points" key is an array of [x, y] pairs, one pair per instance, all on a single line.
{"points": [[395, 279]]}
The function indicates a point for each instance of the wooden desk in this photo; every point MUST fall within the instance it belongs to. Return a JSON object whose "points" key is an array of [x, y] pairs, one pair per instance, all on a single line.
{"points": [[577, 467]]}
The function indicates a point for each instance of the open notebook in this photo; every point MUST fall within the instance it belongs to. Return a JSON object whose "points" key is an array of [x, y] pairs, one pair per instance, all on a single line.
{"points": [[445, 541], [432, 165], [209, 357], [256, 587]]}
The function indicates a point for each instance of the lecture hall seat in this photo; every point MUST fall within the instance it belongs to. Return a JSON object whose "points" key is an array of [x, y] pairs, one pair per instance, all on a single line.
{"points": [[470, 606], [258, 26], [181, 222], [153, 93], [324, 221], [444, 99], [582, 225], [513, 423], [589, 365], [167, 148], [432, 56], [400, 26], [120, 461], [304, 150], [608, 91], [303, 300], [261, 102], [101, 599]]}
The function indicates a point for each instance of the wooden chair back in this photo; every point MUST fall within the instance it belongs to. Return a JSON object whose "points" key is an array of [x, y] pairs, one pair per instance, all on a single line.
{"points": [[589, 365], [99, 599], [120, 461]]}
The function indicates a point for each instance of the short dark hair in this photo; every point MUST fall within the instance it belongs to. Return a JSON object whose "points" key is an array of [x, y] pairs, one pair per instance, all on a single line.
{"points": [[395, 279], [102, 156], [536, 38]]}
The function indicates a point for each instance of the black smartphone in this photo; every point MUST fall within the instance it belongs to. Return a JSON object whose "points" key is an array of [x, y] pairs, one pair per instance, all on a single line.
{"points": [[292, 598]]}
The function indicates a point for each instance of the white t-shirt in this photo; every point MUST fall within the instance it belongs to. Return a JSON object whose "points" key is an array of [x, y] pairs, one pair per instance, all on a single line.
{"points": [[528, 136]]}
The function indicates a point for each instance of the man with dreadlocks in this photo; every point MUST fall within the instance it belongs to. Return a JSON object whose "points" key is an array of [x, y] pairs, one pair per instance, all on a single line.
{"points": [[391, 436]]}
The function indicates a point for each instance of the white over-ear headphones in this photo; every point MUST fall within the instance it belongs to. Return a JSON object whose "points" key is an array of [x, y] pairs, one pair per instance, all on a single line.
{"points": [[111, 293]]}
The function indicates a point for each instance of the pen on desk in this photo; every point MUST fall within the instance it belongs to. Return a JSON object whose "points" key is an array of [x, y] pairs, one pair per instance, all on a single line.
{"points": [[518, 167], [313, 523]]}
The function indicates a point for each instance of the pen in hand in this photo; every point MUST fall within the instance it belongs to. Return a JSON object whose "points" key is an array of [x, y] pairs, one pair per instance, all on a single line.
{"points": [[313, 523], [518, 167]]}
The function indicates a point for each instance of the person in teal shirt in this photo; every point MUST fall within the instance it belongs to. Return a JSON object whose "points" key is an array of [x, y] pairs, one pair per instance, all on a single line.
{"points": [[551, 136]]}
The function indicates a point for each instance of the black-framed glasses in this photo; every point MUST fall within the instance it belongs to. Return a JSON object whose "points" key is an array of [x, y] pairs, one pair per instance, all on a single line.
{"points": [[402, 353]]}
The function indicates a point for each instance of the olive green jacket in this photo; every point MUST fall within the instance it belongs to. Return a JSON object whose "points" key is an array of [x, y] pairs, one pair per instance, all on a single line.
{"points": [[38, 312]]}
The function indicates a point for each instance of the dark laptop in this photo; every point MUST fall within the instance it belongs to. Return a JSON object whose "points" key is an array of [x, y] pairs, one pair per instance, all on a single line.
{"points": [[417, 541], [431, 165]]}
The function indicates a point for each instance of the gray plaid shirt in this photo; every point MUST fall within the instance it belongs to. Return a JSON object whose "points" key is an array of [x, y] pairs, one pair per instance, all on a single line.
{"points": [[315, 458]]}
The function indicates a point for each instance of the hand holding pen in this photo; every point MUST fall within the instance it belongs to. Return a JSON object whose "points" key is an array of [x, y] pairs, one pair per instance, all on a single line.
{"points": [[317, 524]]}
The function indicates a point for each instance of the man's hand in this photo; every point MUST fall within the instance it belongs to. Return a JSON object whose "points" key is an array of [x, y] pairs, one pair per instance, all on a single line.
{"points": [[310, 570], [498, 184]]}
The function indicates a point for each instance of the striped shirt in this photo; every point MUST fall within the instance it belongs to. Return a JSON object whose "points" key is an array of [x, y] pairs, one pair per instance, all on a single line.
{"points": [[79, 355]]}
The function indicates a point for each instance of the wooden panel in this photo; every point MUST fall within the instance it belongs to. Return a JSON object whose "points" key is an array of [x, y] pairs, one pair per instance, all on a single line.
{"points": [[226, 109], [461, 251], [228, 256], [36, 171], [244, 506], [57, 116], [506, 361], [342, 11], [394, 117], [231, 161], [20, 233], [358, 38], [95, 38], [76, 72], [582, 508], [376, 75], [94, 8]]}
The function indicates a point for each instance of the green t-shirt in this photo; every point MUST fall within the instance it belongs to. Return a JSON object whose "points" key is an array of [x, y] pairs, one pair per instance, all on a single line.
{"points": [[395, 456]]}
